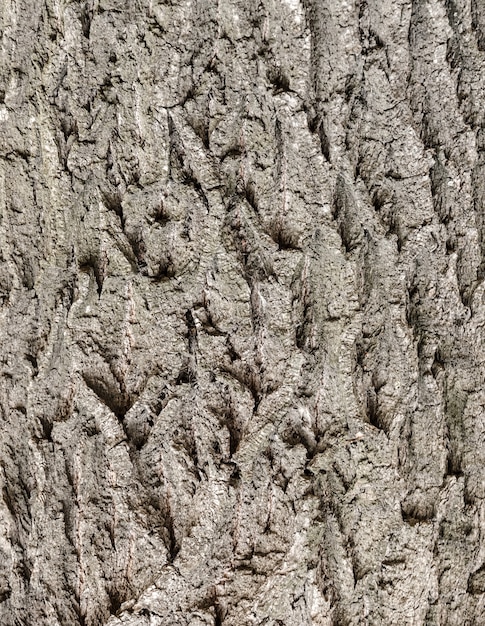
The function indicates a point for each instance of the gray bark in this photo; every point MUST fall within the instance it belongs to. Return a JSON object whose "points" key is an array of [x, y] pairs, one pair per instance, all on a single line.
{"points": [[242, 312]]}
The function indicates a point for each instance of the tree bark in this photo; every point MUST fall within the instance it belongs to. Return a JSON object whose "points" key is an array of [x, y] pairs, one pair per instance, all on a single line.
{"points": [[242, 312]]}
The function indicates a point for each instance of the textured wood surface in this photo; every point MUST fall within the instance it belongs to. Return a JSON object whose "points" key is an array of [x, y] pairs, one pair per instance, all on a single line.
{"points": [[242, 312]]}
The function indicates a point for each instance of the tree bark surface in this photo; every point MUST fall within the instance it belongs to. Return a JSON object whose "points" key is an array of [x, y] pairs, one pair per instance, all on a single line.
{"points": [[242, 312]]}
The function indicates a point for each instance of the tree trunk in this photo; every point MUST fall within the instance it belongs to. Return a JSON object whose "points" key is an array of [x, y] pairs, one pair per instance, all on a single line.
{"points": [[242, 312]]}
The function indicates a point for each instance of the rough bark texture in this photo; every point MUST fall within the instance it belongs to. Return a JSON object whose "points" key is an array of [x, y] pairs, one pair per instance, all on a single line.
{"points": [[242, 312]]}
